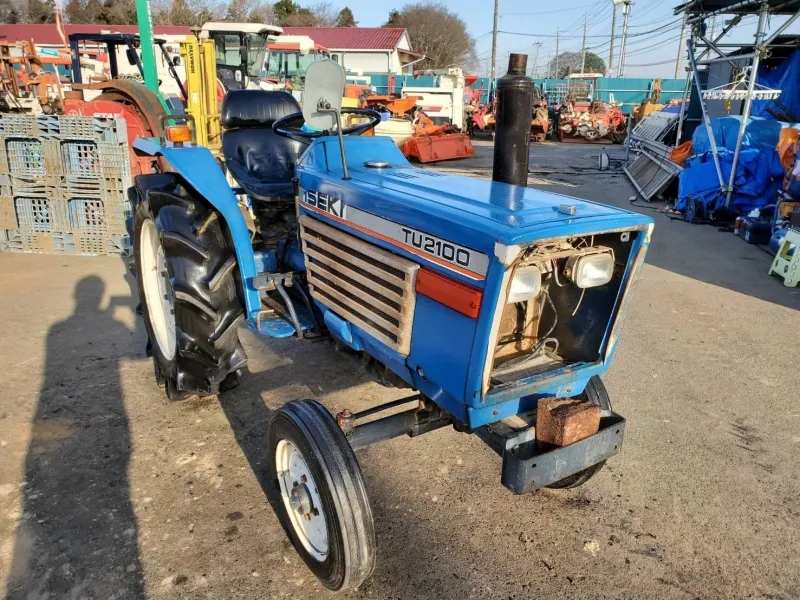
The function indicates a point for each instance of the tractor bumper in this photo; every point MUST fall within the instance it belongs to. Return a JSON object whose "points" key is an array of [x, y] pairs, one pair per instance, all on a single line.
{"points": [[526, 468]]}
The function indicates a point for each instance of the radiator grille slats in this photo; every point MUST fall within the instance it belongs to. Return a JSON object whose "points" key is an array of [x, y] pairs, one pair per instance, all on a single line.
{"points": [[366, 285]]}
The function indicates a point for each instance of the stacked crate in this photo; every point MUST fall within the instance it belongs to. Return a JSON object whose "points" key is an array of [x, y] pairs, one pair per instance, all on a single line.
{"points": [[63, 183]]}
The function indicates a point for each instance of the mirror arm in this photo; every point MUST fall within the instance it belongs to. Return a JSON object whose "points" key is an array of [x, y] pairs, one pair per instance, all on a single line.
{"points": [[326, 107], [341, 142]]}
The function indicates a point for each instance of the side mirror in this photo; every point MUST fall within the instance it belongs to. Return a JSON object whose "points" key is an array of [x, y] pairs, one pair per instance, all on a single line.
{"points": [[131, 54], [322, 100], [176, 61]]}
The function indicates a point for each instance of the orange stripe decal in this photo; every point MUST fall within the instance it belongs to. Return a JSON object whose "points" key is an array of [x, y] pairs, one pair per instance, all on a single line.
{"points": [[454, 294], [406, 247]]}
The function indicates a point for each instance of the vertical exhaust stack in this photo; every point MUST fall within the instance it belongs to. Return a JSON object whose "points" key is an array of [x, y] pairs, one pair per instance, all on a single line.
{"points": [[513, 123]]}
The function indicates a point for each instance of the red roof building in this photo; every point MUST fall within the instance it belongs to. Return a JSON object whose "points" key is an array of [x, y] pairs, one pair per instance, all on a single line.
{"points": [[364, 49], [353, 38], [47, 35], [357, 49]]}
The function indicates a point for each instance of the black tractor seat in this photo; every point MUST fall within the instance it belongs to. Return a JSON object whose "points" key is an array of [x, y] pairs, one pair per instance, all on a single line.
{"points": [[261, 161]]}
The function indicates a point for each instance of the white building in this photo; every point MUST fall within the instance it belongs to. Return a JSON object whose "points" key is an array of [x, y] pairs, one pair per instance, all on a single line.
{"points": [[364, 49]]}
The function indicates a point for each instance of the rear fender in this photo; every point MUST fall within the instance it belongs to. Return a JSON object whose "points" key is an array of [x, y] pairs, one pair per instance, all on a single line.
{"points": [[199, 169]]}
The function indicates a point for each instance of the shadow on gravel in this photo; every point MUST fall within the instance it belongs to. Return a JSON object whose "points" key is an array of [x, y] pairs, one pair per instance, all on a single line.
{"points": [[77, 537]]}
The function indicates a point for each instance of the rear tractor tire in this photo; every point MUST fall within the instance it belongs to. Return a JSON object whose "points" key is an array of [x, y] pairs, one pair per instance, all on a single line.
{"points": [[186, 268]]}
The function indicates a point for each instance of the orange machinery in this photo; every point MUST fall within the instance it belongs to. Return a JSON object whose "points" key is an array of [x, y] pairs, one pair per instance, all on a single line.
{"points": [[25, 85], [429, 142]]}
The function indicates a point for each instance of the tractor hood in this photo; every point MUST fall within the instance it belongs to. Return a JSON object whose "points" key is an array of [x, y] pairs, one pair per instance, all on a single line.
{"points": [[476, 213]]}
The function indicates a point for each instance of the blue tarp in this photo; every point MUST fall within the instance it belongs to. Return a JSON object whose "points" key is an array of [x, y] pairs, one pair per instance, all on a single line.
{"points": [[758, 178], [784, 77], [758, 175], [761, 134]]}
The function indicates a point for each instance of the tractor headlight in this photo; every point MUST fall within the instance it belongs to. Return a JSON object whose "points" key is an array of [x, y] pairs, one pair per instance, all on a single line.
{"points": [[526, 284], [592, 270]]}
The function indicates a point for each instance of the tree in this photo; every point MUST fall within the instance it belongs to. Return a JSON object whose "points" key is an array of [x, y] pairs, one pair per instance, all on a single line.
{"points": [[261, 12], [238, 11], [93, 10], [570, 62], [75, 12], [41, 11], [283, 9], [10, 12], [324, 14], [181, 14], [302, 18], [346, 18], [436, 32], [394, 19], [118, 12]]}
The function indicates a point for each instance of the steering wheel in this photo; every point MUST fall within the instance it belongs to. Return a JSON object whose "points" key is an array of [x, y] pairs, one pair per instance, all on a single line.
{"points": [[289, 126]]}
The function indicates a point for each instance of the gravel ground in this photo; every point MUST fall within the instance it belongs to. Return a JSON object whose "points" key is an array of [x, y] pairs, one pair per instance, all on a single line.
{"points": [[106, 491]]}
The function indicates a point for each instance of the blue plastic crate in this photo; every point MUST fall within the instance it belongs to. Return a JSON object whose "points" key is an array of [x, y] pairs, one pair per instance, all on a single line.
{"points": [[81, 159], [25, 157], [34, 214], [87, 214]]}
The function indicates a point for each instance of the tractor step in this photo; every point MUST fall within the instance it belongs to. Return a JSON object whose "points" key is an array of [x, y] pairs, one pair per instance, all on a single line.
{"points": [[273, 324]]}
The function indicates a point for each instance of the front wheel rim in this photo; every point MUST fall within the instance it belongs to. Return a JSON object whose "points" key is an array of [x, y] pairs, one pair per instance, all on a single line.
{"points": [[157, 290], [302, 500]]}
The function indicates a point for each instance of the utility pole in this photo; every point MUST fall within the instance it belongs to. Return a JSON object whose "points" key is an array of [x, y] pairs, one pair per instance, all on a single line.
{"points": [[535, 60], [555, 75], [680, 47], [613, 32], [626, 13], [494, 41], [583, 51]]}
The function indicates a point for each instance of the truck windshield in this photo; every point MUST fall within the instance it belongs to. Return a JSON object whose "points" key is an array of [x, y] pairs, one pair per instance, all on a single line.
{"points": [[256, 52], [290, 64]]}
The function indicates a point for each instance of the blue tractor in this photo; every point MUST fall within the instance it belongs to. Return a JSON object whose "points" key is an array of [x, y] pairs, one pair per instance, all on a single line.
{"points": [[482, 297]]}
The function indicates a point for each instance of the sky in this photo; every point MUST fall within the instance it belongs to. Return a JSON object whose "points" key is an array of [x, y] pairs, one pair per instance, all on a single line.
{"points": [[654, 31]]}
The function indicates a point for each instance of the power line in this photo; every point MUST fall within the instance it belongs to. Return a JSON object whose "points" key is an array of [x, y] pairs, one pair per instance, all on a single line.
{"points": [[547, 12], [655, 64]]}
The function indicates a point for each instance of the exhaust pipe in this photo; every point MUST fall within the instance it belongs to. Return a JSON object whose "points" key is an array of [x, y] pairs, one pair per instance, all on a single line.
{"points": [[512, 136]]}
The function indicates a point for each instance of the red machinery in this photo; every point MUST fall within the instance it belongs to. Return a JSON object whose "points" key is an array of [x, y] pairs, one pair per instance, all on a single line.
{"points": [[582, 119], [540, 123], [480, 117], [431, 142], [131, 100], [25, 85], [590, 122]]}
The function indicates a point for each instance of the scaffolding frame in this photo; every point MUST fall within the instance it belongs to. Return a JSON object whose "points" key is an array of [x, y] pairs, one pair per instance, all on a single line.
{"points": [[696, 13]]}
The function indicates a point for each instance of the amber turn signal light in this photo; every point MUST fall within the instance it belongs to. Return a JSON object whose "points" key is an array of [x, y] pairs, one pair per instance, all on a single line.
{"points": [[178, 134]]}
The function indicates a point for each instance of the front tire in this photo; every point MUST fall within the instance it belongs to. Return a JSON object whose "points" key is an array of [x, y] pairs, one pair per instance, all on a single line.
{"points": [[186, 267], [321, 500], [595, 392]]}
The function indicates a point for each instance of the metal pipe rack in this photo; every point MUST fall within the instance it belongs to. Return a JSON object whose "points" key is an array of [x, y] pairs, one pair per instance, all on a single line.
{"points": [[699, 46]]}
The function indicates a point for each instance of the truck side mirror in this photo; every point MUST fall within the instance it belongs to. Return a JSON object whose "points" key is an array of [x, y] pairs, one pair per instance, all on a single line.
{"points": [[131, 54]]}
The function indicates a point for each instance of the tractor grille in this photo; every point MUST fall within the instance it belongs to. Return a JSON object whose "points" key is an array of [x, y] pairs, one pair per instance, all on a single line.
{"points": [[368, 286]]}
